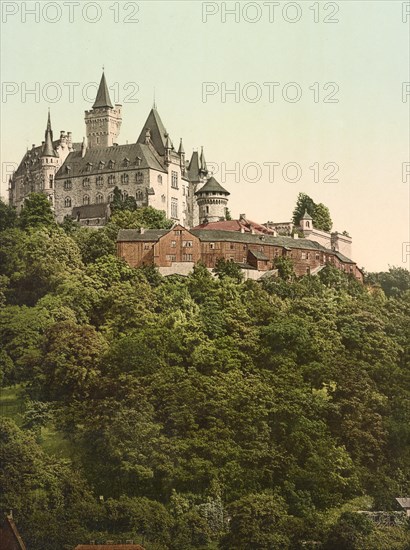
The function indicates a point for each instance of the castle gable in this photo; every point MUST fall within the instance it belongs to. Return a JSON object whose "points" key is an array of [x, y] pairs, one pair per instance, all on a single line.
{"points": [[157, 130]]}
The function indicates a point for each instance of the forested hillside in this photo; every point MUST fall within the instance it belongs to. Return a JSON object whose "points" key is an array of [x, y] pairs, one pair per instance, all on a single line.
{"points": [[198, 412]]}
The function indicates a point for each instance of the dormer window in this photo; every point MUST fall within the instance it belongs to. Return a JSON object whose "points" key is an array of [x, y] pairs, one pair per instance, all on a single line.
{"points": [[111, 164], [67, 168], [101, 165], [126, 161], [89, 166], [138, 161]]}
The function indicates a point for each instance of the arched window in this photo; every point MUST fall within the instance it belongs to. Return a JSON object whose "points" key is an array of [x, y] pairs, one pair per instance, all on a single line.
{"points": [[86, 200], [99, 181], [68, 185], [99, 198], [139, 195], [111, 180], [124, 178], [67, 202], [307, 224], [124, 195], [111, 197], [159, 178]]}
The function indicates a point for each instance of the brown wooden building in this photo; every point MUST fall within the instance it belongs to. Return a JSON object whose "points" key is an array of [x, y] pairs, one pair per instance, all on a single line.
{"points": [[178, 249], [10, 538]]}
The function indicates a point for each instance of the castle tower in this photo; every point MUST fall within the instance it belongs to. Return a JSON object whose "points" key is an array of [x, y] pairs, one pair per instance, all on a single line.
{"points": [[306, 223], [49, 163], [103, 121], [212, 201]]}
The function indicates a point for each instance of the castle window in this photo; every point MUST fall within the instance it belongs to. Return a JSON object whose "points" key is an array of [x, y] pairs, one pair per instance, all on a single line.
{"points": [[98, 140], [124, 178], [171, 258], [67, 202], [159, 178], [50, 181], [111, 164], [307, 224], [147, 246], [68, 185], [111, 180], [99, 181], [317, 256], [174, 179], [86, 183], [86, 200], [124, 195], [212, 246], [111, 197], [187, 244], [99, 198], [139, 195], [187, 257], [207, 209], [177, 232], [174, 208], [303, 255], [173, 244], [139, 177]]}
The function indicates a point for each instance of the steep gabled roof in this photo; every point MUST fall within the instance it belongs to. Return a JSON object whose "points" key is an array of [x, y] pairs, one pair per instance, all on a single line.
{"points": [[103, 95], [9, 529], [193, 168], [89, 165], [212, 186], [157, 129]]}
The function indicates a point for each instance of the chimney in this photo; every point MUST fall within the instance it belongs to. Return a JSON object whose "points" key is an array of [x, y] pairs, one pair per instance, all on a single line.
{"points": [[242, 216], [33, 145]]}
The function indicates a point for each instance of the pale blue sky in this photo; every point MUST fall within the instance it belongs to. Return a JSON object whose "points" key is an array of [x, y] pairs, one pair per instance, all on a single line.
{"points": [[172, 50]]}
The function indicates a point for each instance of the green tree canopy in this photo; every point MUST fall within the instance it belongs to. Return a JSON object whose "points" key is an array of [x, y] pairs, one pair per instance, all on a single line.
{"points": [[36, 212]]}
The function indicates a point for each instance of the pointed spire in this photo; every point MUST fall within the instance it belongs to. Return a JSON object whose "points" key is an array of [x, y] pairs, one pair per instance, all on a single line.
{"points": [[103, 95], [306, 216], [48, 148], [168, 144], [203, 162], [181, 150]]}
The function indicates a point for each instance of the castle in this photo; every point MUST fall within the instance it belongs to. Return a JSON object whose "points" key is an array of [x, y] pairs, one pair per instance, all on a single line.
{"points": [[79, 178]]}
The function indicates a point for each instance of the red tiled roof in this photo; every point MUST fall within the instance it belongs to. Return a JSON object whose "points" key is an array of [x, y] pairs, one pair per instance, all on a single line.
{"points": [[237, 225]]}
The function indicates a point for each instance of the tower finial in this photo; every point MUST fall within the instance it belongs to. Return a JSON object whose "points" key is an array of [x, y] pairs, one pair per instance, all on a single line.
{"points": [[154, 106], [103, 68]]}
